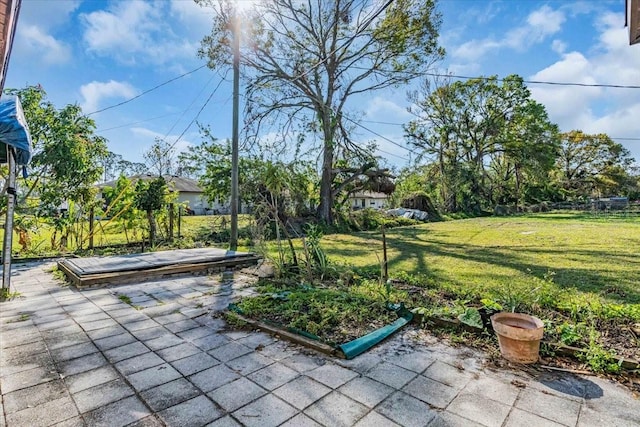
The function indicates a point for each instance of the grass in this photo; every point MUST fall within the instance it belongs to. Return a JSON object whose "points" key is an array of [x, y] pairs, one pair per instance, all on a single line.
{"points": [[193, 228], [335, 315], [481, 256], [578, 272]]}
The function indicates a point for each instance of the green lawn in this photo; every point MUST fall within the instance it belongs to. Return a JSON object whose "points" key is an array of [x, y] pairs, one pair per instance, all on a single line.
{"points": [[587, 254]]}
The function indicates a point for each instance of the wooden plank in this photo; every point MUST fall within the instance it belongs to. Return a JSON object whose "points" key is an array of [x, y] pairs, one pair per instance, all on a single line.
{"points": [[153, 273], [294, 338], [69, 273]]}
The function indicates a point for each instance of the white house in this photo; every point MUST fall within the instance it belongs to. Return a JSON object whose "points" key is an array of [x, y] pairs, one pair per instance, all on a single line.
{"points": [[189, 192], [368, 199]]}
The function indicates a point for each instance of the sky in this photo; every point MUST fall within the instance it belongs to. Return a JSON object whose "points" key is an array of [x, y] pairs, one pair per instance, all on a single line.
{"points": [[100, 53]]}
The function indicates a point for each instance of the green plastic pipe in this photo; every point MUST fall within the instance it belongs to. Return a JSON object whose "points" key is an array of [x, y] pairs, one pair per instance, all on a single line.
{"points": [[364, 343]]}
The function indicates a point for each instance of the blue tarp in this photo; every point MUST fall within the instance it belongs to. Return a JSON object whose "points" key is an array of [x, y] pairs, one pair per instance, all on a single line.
{"points": [[13, 128]]}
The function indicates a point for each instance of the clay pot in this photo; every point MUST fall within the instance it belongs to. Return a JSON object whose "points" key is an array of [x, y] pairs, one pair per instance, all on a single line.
{"points": [[519, 336]]}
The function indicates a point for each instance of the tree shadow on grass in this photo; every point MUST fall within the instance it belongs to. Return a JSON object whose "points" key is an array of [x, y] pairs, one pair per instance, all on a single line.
{"points": [[415, 247]]}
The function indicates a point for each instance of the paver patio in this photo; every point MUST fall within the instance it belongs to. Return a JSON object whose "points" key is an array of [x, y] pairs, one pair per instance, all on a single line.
{"points": [[73, 357]]}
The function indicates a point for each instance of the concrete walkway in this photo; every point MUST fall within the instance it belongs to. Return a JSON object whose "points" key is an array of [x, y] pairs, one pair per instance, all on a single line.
{"points": [[151, 355]]}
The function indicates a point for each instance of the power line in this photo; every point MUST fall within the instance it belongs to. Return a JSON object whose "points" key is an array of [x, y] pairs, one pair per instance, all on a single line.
{"points": [[137, 122], [383, 123], [380, 136], [195, 118], [147, 91], [621, 138], [538, 82]]}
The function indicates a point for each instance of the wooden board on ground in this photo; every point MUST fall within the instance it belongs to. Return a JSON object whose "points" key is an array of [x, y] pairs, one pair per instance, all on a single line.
{"points": [[120, 269]]}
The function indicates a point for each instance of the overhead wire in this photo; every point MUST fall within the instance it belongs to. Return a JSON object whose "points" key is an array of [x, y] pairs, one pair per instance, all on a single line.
{"points": [[147, 91], [620, 138], [164, 153], [538, 82]]}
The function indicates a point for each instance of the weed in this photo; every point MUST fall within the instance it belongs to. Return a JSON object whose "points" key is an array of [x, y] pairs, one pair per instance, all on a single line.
{"points": [[60, 276], [6, 294], [598, 358], [570, 334], [22, 318], [317, 261], [125, 299], [232, 319], [471, 317]]}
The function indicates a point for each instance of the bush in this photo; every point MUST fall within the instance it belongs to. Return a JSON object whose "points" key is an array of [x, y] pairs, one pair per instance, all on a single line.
{"points": [[371, 219]]}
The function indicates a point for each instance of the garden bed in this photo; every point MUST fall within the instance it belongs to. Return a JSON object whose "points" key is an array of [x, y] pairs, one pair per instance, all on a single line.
{"points": [[332, 316], [336, 313]]}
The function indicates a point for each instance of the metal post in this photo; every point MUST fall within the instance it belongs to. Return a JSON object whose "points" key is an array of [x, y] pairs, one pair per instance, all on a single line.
{"points": [[171, 215], [8, 224], [179, 221], [233, 240], [92, 214]]}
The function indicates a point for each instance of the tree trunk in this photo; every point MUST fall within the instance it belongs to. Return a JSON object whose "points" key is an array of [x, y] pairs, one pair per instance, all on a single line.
{"points": [[326, 194], [152, 227]]}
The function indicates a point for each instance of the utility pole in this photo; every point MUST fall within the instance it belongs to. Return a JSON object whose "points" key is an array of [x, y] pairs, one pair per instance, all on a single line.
{"points": [[233, 240], [8, 223]]}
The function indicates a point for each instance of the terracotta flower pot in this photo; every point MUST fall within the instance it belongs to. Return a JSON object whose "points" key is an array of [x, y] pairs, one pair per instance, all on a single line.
{"points": [[519, 336]]}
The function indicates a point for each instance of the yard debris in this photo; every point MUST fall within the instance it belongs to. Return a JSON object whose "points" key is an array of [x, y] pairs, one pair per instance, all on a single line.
{"points": [[409, 213]]}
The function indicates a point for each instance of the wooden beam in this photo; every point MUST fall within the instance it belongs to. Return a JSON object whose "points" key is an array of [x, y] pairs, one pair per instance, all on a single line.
{"points": [[121, 277], [634, 22]]}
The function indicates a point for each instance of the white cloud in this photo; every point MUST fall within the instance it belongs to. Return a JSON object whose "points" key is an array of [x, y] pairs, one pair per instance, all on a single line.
{"points": [[558, 46], [94, 92], [48, 14], [540, 24], [545, 21], [197, 19], [135, 31], [475, 49], [621, 123], [35, 31], [384, 109], [592, 109], [33, 41], [567, 105]]}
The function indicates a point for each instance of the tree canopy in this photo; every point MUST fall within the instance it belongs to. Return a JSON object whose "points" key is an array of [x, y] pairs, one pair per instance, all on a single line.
{"points": [[304, 61], [67, 152], [489, 142]]}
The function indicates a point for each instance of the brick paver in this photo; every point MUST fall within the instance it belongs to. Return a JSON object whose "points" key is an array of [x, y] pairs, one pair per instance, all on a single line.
{"points": [[85, 358]]}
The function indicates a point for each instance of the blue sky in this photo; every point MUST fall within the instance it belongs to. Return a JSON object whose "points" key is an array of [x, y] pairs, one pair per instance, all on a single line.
{"points": [[99, 53]]}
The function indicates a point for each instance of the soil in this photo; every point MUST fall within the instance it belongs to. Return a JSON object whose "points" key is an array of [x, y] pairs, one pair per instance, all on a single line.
{"points": [[345, 331]]}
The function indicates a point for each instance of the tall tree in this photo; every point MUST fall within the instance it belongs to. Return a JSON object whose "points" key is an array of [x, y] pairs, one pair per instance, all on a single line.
{"points": [[488, 140], [125, 167], [587, 159], [110, 164], [306, 60], [67, 152], [150, 197], [160, 156]]}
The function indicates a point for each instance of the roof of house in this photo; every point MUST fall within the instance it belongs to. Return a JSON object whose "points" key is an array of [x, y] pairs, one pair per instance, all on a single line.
{"points": [[369, 195], [176, 183]]}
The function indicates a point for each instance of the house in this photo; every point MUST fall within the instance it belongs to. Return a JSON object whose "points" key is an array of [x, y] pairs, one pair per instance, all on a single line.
{"points": [[368, 199], [189, 193]]}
